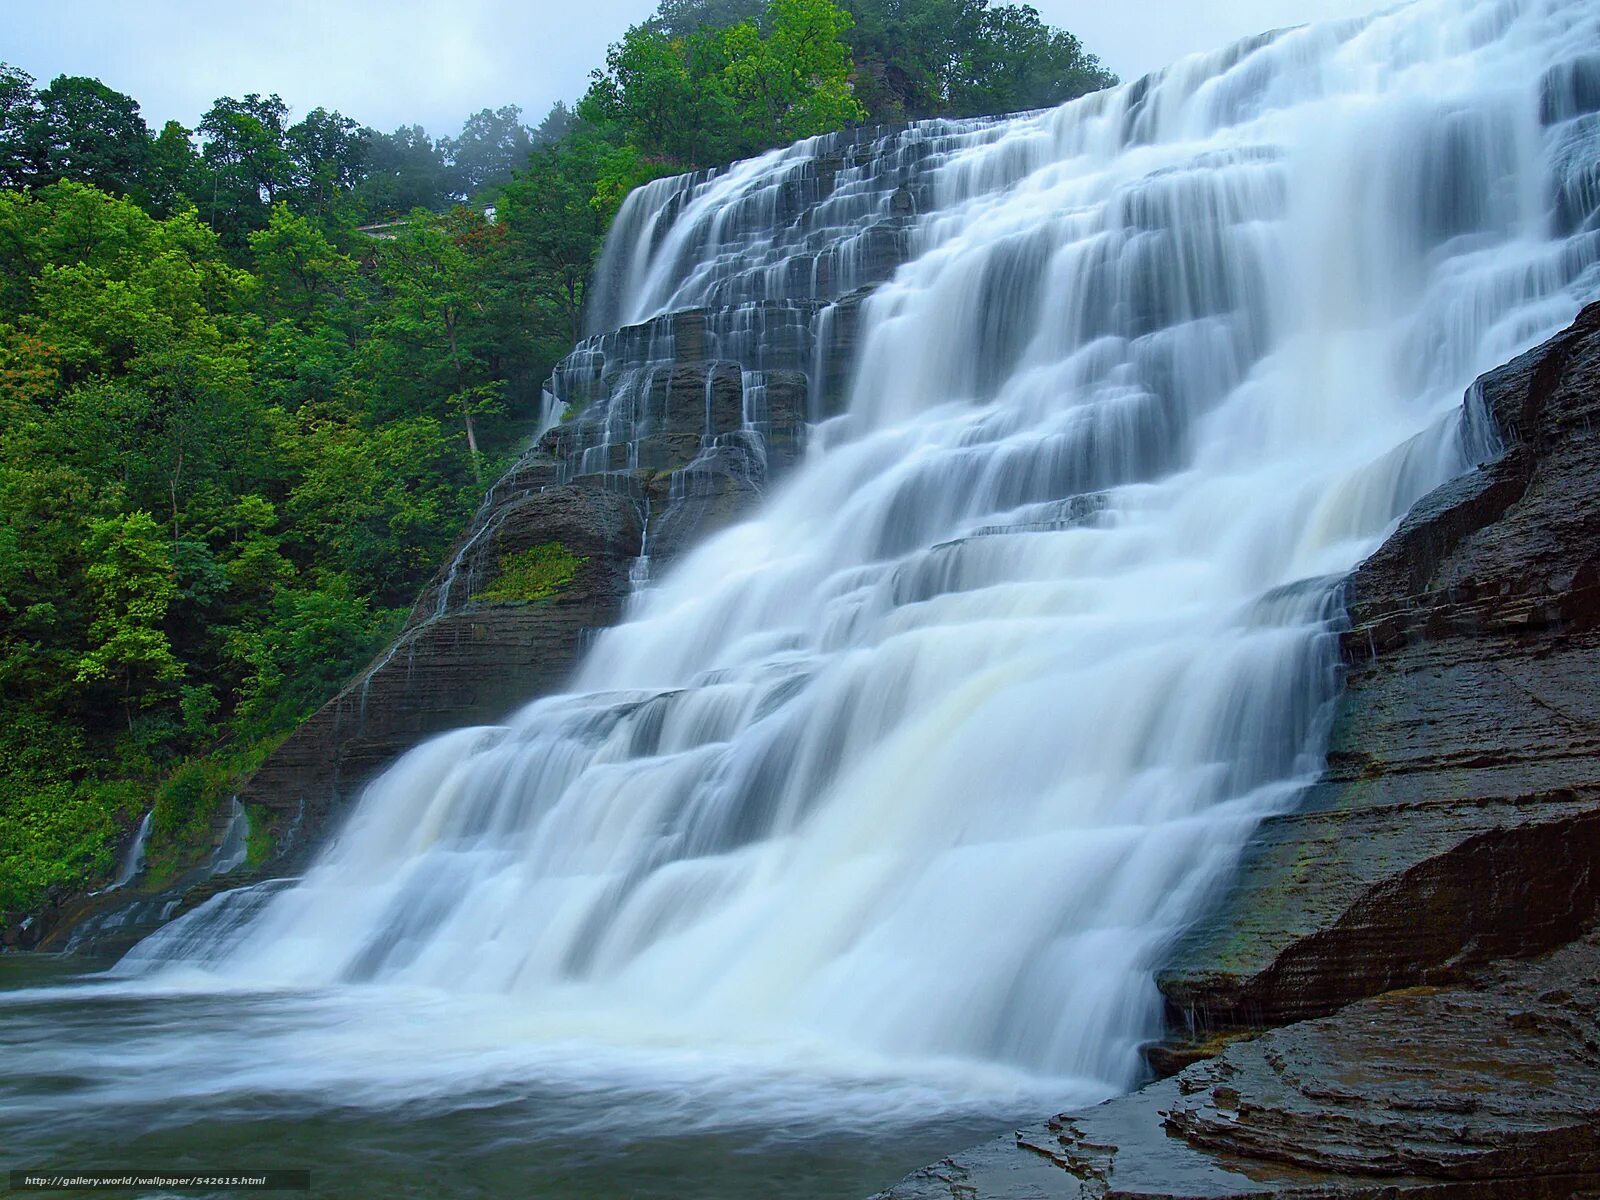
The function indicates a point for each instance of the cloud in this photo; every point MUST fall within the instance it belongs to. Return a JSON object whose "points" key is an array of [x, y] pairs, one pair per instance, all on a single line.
{"points": [[428, 63], [405, 62]]}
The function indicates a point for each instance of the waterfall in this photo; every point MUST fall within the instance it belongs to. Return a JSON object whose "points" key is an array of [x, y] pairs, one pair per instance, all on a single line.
{"points": [[133, 857], [918, 771]]}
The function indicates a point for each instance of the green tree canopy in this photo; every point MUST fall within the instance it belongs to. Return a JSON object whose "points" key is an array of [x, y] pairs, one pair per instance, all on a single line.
{"points": [[492, 144], [924, 58], [681, 89], [248, 163], [89, 133], [19, 116], [328, 157], [130, 578], [406, 170], [790, 75]]}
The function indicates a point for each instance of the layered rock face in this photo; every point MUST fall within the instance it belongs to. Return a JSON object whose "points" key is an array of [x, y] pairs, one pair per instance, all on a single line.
{"points": [[690, 399], [1467, 1093], [1459, 818], [1458, 822], [620, 492]]}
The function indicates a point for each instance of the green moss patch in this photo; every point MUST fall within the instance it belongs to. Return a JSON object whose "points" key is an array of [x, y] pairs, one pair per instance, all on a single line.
{"points": [[536, 573], [260, 842]]}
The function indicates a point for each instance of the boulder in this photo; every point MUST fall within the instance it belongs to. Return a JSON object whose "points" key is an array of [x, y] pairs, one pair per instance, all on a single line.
{"points": [[1481, 1092]]}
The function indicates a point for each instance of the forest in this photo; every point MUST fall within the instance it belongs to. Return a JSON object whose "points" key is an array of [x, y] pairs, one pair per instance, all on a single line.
{"points": [[255, 374]]}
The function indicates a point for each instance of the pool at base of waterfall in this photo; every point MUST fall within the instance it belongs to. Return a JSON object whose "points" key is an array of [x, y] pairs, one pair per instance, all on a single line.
{"points": [[385, 1093]]}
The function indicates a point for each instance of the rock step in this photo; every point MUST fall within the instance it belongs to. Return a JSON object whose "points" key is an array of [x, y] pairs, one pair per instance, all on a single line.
{"points": [[1482, 1092]]}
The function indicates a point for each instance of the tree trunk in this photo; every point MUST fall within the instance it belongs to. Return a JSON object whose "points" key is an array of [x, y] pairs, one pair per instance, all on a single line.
{"points": [[461, 382]]}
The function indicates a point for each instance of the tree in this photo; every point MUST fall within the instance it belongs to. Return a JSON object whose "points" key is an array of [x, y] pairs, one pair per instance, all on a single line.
{"points": [[406, 170], [680, 89], [328, 156], [173, 179], [436, 323], [256, 567], [130, 578], [380, 501], [88, 133], [791, 77], [19, 117], [557, 124], [299, 269], [923, 58], [1018, 62], [312, 641], [113, 289], [684, 18], [244, 153], [665, 95], [492, 144], [556, 214]]}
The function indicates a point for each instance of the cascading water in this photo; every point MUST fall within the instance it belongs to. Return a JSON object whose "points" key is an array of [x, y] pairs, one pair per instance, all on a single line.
{"points": [[133, 857], [887, 801]]}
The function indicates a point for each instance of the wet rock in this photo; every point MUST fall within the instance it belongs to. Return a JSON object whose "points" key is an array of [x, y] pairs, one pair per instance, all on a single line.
{"points": [[1459, 817], [461, 660], [1487, 1090], [1454, 837], [721, 485]]}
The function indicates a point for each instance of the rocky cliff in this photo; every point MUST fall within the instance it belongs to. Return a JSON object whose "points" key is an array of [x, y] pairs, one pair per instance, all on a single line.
{"points": [[1360, 977], [673, 426], [620, 492]]}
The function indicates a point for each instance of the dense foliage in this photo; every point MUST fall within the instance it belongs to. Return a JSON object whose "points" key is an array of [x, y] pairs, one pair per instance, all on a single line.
{"points": [[708, 80], [254, 375]]}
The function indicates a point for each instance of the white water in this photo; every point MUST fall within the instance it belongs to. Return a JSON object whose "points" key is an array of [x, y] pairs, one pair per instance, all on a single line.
{"points": [[892, 797], [133, 857]]}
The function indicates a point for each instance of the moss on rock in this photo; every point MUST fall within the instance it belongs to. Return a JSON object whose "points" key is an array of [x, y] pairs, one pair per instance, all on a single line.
{"points": [[536, 573]]}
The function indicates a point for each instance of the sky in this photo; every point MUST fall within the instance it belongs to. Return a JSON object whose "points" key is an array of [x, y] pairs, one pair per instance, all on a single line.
{"points": [[433, 63]]}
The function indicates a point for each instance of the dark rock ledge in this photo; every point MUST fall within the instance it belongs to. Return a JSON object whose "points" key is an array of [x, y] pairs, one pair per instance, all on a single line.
{"points": [[662, 447], [659, 458], [1486, 1090], [1403, 977]]}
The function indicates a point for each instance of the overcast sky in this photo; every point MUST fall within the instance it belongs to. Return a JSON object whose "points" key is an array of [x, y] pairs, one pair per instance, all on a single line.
{"points": [[432, 63]]}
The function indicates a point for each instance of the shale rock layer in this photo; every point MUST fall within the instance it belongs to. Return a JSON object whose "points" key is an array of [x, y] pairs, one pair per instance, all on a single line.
{"points": [[1386, 925]]}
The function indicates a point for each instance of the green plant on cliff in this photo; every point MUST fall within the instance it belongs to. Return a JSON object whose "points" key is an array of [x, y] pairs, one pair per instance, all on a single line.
{"points": [[185, 806], [536, 573], [260, 842]]}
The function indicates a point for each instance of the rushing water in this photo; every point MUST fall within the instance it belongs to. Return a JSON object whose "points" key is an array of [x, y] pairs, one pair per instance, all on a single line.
{"points": [[865, 832]]}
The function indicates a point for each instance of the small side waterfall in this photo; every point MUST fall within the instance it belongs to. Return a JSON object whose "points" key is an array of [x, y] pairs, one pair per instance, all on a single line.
{"points": [[133, 857], [914, 776]]}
